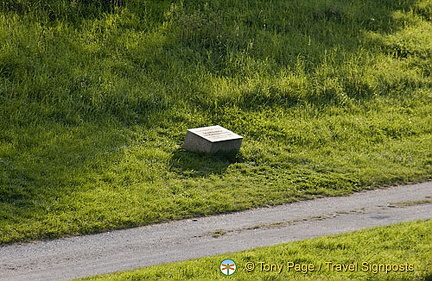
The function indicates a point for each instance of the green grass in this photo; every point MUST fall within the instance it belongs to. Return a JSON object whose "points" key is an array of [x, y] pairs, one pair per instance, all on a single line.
{"points": [[370, 250], [95, 98]]}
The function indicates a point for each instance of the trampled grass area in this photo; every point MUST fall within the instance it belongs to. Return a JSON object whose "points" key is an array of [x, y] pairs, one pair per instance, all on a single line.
{"points": [[397, 252], [331, 97]]}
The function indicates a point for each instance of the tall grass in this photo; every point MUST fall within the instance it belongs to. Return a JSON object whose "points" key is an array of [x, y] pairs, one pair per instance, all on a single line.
{"points": [[95, 98]]}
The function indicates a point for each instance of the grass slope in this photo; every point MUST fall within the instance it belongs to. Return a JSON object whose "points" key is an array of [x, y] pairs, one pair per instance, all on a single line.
{"points": [[366, 255], [96, 96]]}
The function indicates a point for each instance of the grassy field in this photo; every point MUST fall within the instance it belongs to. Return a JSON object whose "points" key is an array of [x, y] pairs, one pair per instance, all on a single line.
{"points": [[365, 254], [331, 97]]}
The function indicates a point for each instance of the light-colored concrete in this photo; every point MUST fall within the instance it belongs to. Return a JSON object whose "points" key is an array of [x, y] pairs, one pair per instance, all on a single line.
{"points": [[213, 139], [81, 256]]}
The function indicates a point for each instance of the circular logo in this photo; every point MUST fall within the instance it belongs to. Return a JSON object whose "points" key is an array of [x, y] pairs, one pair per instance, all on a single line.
{"points": [[228, 267]]}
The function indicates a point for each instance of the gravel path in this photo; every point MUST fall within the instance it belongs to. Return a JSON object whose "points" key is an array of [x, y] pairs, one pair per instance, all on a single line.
{"points": [[88, 255]]}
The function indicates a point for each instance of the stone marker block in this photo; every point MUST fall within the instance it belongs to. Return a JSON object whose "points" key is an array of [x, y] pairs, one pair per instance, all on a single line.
{"points": [[213, 139]]}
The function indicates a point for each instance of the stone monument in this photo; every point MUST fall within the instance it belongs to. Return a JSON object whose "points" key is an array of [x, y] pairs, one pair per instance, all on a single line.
{"points": [[213, 139]]}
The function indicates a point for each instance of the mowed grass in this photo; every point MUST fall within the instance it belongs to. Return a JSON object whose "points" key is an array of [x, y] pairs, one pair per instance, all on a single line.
{"points": [[95, 99], [396, 252]]}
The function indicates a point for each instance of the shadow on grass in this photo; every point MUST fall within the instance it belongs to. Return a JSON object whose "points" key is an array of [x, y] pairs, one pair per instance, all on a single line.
{"points": [[44, 165], [302, 33], [193, 164], [428, 277], [62, 9], [47, 164]]}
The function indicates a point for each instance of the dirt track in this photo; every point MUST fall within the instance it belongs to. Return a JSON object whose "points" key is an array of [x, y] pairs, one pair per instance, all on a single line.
{"points": [[157, 244]]}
